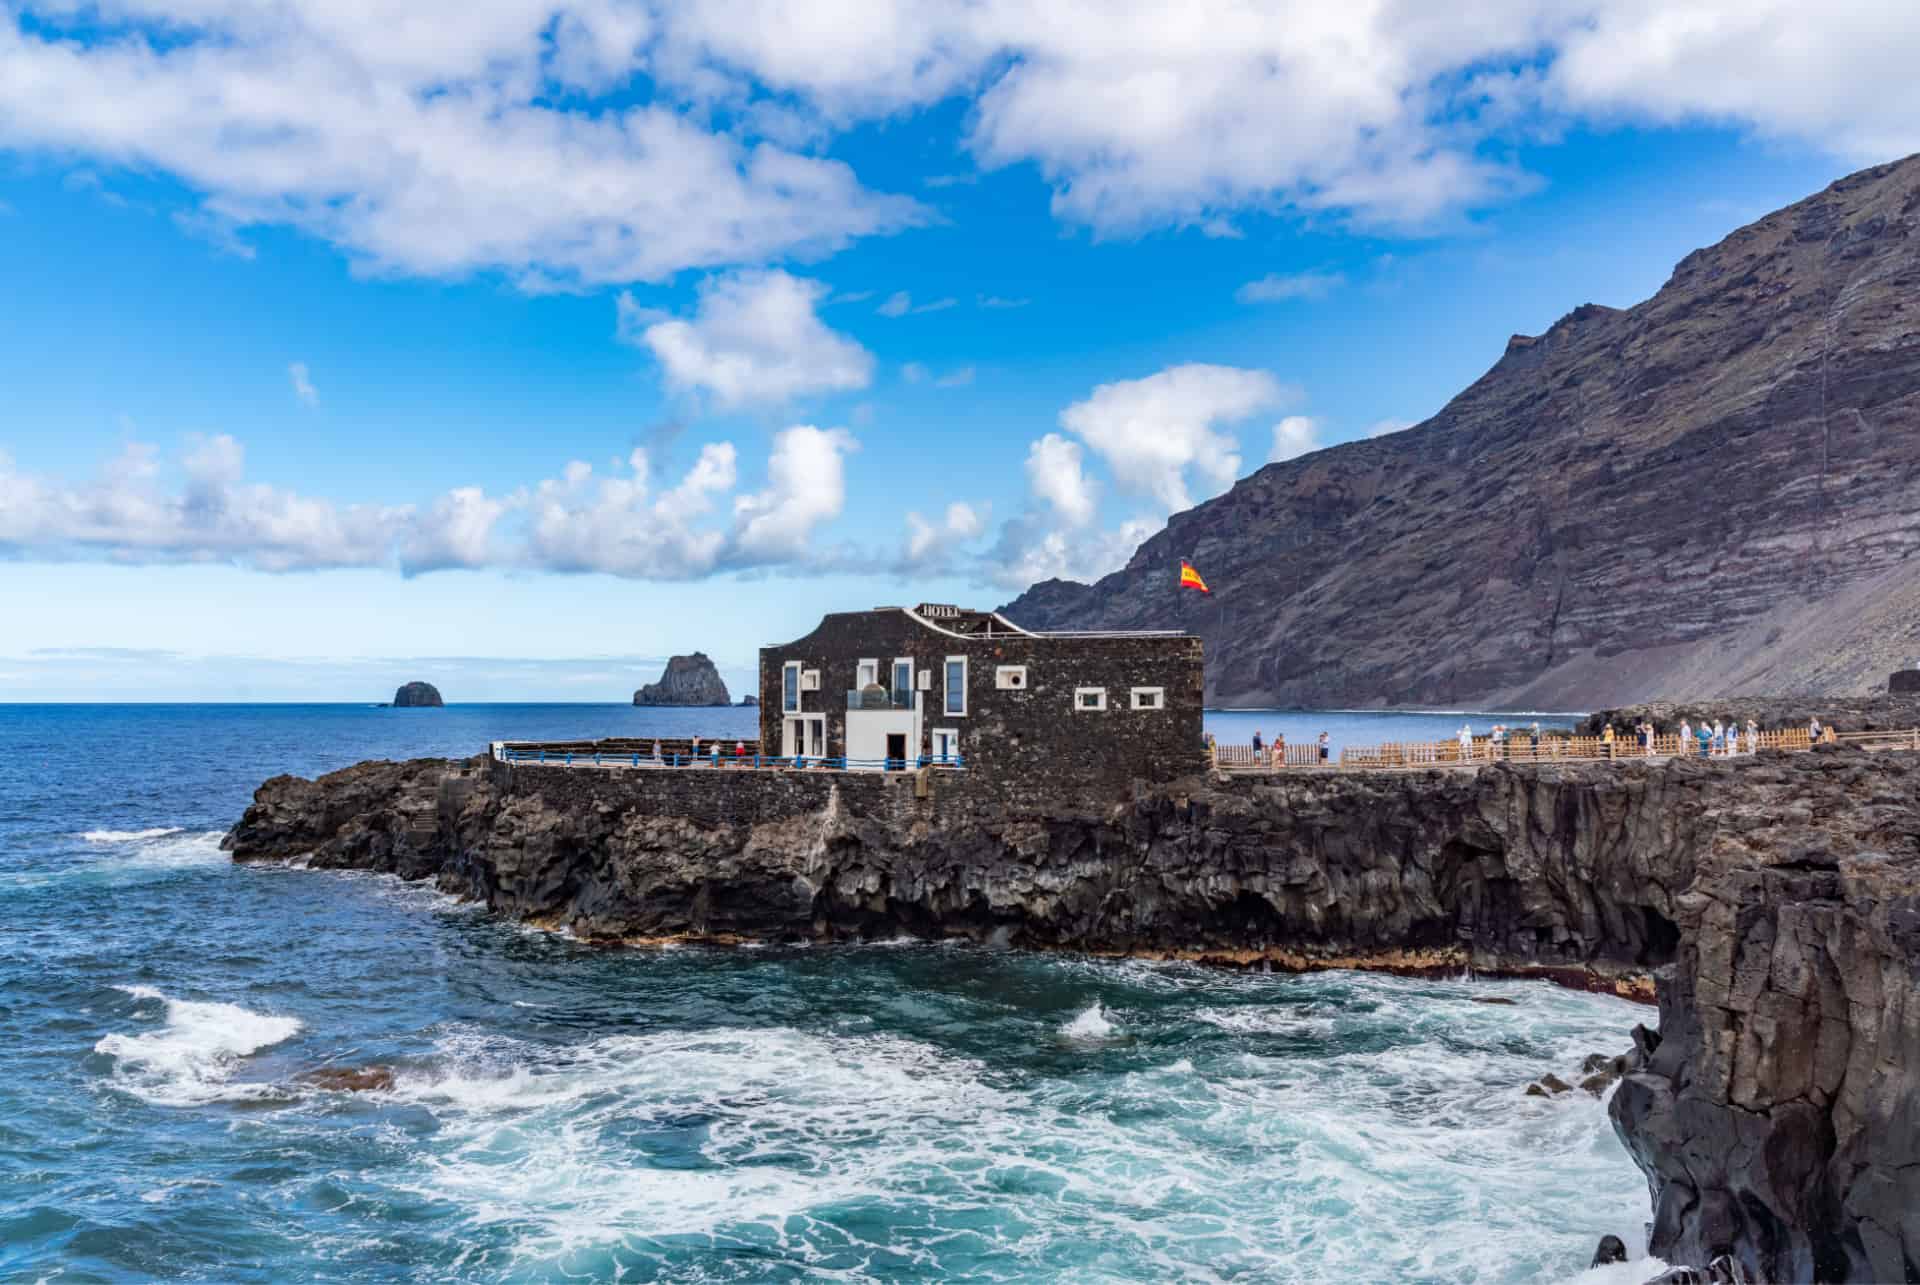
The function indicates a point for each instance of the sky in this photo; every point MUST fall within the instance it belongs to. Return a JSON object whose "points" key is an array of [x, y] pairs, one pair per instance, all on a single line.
{"points": [[517, 346]]}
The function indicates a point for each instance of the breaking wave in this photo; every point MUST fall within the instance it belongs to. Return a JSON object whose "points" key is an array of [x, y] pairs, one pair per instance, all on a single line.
{"points": [[193, 1056]]}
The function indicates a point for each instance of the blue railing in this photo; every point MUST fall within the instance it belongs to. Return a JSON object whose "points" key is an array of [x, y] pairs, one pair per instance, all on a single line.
{"points": [[802, 762]]}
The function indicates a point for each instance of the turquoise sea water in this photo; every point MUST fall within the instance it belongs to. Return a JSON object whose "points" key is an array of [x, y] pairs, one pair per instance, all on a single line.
{"points": [[893, 1111]]}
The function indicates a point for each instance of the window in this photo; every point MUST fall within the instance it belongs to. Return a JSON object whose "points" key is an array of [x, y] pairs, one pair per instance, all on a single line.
{"points": [[946, 745], [903, 683], [1010, 678], [956, 685], [1089, 698], [790, 687], [1149, 698], [869, 675]]}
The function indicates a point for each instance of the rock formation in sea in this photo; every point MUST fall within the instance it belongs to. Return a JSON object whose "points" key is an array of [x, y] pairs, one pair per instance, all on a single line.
{"points": [[1715, 490], [417, 694], [1776, 900], [688, 680]]}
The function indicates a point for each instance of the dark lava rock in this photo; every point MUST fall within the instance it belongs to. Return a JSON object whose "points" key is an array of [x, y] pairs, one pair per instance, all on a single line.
{"points": [[417, 695], [1904, 682], [749, 701], [1611, 1250], [349, 1079], [1444, 566], [1723, 1270], [688, 680], [1776, 899], [1494, 999]]}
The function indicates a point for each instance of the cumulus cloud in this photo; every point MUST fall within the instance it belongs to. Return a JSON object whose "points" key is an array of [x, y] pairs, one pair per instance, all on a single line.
{"points": [[200, 508], [928, 542], [806, 485], [430, 141], [579, 141], [129, 514], [303, 384], [1294, 436], [1279, 287], [1056, 474], [755, 337], [1152, 432]]}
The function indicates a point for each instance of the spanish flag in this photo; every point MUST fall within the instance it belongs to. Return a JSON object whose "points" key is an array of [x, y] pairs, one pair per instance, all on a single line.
{"points": [[1190, 579]]}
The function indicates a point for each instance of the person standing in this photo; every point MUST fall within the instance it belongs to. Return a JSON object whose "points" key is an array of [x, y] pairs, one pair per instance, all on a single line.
{"points": [[1258, 745], [1606, 740], [1326, 748], [1753, 737], [1466, 741], [1686, 736], [1280, 749]]}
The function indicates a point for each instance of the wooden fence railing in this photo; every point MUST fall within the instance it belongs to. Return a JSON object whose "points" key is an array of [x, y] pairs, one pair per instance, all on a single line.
{"points": [[1526, 749]]}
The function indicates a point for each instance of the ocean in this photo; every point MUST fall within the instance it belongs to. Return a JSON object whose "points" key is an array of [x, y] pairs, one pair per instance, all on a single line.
{"points": [[891, 1111]]}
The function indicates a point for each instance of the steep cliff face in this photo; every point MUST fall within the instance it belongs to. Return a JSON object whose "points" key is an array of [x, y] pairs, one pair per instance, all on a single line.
{"points": [[1776, 1113], [1713, 491], [688, 680]]}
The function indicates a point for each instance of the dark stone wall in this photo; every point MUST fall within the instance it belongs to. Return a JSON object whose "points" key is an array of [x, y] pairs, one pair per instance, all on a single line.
{"points": [[1904, 682], [1033, 733]]}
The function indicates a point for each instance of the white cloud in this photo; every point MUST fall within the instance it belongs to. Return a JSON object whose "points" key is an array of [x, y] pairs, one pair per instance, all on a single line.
{"points": [[213, 516], [620, 522], [997, 301], [1278, 287], [1056, 473], [427, 141], [754, 338], [926, 540], [806, 486], [1151, 432], [456, 531], [1294, 436], [959, 378], [1381, 427], [901, 304], [303, 384], [451, 138]]}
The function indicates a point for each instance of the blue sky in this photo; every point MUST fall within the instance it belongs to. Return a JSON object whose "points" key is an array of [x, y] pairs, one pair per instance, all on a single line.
{"points": [[517, 350]]}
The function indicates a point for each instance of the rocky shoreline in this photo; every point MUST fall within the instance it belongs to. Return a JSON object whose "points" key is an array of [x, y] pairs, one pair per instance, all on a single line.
{"points": [[1776, 900]]}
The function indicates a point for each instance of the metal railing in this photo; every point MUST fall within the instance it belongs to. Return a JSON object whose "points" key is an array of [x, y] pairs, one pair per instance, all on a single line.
{"points": [[1481, 750], [589, 755]]}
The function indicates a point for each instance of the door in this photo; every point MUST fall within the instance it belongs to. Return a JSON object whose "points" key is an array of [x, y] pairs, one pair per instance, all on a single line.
{"points": [[896, 749]]}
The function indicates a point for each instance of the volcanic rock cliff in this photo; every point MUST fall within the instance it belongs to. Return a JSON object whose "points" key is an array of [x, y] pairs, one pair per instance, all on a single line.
{"points": [[1715, 490], [688, 680], [417, 695], [1776, 899]]}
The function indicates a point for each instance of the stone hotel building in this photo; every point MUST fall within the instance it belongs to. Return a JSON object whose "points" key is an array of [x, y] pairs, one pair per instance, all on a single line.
{"points": [[899, 686]]}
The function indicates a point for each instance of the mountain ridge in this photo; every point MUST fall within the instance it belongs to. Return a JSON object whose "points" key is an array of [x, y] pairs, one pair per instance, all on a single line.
{"points": [[1712, 490]]}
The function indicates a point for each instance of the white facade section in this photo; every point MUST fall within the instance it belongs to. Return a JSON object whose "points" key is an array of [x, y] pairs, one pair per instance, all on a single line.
{"points": [[1010, 678]]}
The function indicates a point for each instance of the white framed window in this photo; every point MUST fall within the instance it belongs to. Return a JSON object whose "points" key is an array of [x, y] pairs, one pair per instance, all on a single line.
{"points": [[867, 675], [946, 745], [809, 680], [790, 687], [1010, 678], [955, 685], [1089, 698], [1149, 698], [903, 682]]}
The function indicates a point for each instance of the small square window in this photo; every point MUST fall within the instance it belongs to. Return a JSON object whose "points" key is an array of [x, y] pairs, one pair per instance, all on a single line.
{"points": [[1089, 698], [1010, 678], [1149, 698]]}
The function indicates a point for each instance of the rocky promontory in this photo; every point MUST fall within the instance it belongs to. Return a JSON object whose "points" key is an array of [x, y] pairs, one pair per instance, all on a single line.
{"points": [[688, 680], [1775, 899], [1882, 713], [417, 696]]}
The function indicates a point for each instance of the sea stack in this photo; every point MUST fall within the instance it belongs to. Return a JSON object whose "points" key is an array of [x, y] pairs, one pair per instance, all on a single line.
{"points": [[415, 695], [689, 680]]}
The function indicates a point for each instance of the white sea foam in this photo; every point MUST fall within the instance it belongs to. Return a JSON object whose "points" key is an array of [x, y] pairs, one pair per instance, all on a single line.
{"points": [[157, 848], [1091, 1024], [129, 836], [191, 1059]]}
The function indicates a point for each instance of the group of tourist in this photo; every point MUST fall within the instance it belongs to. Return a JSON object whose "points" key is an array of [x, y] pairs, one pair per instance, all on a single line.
{"points": [[1276, 753]]}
